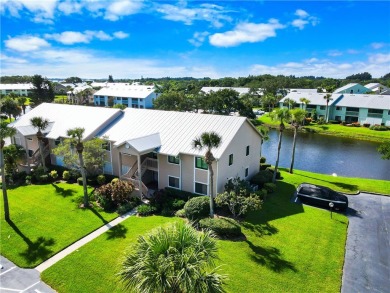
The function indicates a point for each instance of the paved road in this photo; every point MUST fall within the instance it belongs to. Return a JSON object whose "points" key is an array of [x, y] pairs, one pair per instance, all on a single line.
{"points": [[15, 279], [367, 257]]}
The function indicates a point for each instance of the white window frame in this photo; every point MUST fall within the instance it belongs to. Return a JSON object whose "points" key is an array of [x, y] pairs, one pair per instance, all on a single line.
{"points": [[173, 163], [207, 188], [178, 178]]}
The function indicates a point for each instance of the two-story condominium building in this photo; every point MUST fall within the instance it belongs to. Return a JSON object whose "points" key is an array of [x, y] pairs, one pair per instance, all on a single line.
{"points": [[133, 96], [152, 148], [20, 89], [352, 88]]}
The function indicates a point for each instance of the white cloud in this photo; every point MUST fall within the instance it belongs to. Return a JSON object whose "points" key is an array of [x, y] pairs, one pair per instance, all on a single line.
{"points": [[353, 51], [11, 60], [299, 23], [121, 8], [69, 7], [198, 38], [303, 19], [334, 53], [377, 45], [246, 33], [43, 10], [26, 43], [380, 59], [120, 35], [71, 37], [301, 13], [214, 14]]}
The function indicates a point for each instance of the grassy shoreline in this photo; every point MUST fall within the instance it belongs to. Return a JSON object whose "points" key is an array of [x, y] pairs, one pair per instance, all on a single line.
{"points": [[360, 133]]}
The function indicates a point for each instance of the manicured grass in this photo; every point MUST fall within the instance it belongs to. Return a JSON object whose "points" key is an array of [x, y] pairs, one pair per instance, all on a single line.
{"points": [[45, 220], [287, 248], [60, 98], [362, 133]]}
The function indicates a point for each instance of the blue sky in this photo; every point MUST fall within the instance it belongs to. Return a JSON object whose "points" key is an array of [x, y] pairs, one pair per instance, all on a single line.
{"points": [[130, 39]]}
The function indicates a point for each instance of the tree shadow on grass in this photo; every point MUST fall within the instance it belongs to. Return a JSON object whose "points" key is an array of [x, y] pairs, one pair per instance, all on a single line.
{"points": [[118, 231], [262, 229], [36, 250], [93, 210], [62, 191], [270, 257]]}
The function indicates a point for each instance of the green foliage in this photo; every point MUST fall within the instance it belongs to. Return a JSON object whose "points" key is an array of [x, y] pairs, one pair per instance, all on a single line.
{"points": [[321, 121], [66, 175], [379, 127], [264, 176], [223, 227], [384, 150], [80, 181], [10, 107], [101, 179], [180, 213], [114, 180], [54, 174], [360, 76], [13, 155], [238, 204], [272, 170], [270, 187], [110, 195], [197, 208], [146, 210], [42, 91], [239, 186], [37, 173], [128, 206], [262, 160], [172, 259]]}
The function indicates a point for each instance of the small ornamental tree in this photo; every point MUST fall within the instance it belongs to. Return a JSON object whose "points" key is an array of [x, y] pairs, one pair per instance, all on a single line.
{"points": [[238, 204]]}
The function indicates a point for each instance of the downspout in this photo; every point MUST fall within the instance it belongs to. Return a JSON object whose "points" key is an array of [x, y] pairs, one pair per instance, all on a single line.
{"points": [[139, 175]]}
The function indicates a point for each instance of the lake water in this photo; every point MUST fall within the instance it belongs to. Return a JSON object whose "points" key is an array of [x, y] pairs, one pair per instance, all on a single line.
{"points": [[328, 155]]}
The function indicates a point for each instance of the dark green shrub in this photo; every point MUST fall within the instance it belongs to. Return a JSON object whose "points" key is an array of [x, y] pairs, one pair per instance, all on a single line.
{"points": [[270, 187], [264, 166], [223, 227], [239, 186], [272, 170], [178, 204], [145, 210], [101, 179], [197, 207], [378, 127], [110, 195], [167, 212], [128, 206], [264, 176], [80, 181], [262, 160], [44, 178], [36, 174], [262, 193], [66, 175], [180, 213], [74, 174], [28, 179], [176, 193]]}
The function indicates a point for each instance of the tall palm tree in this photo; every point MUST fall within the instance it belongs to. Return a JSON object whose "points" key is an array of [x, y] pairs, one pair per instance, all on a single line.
{"points": [[173, 259], [209, 141], [77, 135], [328, 98], [22, 103], [282, 115], [297, 118], [41, 124], [4, 133], [305, 102]]}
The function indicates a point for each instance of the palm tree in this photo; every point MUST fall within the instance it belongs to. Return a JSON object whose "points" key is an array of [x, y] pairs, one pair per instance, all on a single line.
{"points": [[4, 133], [77, 135], [208, 141], [328, 98], [298, 118], [41, 124], [305, 102], [173, 259], [22, 103], [282, 115]]}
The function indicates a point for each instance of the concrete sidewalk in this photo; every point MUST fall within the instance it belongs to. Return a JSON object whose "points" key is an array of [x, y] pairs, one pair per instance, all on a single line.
{"points": [[51, 261]]}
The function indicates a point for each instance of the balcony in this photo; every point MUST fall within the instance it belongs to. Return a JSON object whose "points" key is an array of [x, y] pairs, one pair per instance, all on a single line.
{"points": [[352, 113]]}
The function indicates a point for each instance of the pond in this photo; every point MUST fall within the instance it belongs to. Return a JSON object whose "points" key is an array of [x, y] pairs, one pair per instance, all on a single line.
{"points": [[328, 155]]}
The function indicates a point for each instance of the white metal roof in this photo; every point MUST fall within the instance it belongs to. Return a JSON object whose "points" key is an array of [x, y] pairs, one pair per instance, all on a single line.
{"points": [[16, 86], [365, 101], [314, 97], [345, 87], [145, 143], [66, 117], [177, 130], [126, 91], [303, 90]]}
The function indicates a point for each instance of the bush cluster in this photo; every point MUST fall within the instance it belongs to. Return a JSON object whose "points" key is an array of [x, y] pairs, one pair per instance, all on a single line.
{"points": [[146, 210], [111, 195], [261, 178], [223, 227], [379, 127], [197, 208], [168, 201]]}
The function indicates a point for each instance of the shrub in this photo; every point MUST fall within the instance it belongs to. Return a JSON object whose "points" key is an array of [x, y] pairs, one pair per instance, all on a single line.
{"points": [[110, 195], [36, 174], [264, 166], [366, 124], [53, 174], [66, 175], [80, 181], [321, 121], [223, 227], [121, 191], [272, 170], [262, 160], [378, 127], [334, 122], [180, 213], [128, 206], [74, 174], [239, 186], [176, 193], [262, 193], [264, 176], [178, 204], [114, 180], [355, 124], [238, 205], [28, 179], [197, 207], [44, 178], [101, 179], [270, 187], [145, 210]]}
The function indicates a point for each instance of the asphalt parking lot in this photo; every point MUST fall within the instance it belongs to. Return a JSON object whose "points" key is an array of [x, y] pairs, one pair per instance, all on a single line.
{"points": [[15, 279]]}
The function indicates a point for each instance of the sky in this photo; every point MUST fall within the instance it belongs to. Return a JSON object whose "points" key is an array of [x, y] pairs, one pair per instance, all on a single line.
{"points": [[133, 39]]}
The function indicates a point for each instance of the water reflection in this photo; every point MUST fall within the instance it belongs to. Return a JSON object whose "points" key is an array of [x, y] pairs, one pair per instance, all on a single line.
{"points": [[327, 155]]}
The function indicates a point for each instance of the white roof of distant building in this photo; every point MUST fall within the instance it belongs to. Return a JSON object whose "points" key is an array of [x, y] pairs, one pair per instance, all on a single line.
{"points": [[365, 101], [347, 86], [80, 88], [16, 86], [240, 90], [176, 130], [303, 90], [126, 91], [372, 85], [64, 117], [314, 98]]}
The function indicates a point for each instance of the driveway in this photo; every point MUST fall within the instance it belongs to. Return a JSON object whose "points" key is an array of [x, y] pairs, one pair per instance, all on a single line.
{"points": [[15, 279], [367, 256]]}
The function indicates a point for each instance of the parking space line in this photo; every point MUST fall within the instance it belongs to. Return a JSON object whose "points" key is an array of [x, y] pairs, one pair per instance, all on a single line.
{"points": [[30, 286], [7, 271], [9, 289]]}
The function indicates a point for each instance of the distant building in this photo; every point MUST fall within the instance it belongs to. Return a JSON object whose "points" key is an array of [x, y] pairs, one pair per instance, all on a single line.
{"points": [[134, 96], [80, 95], [20, 89], [352, 88], [378, 88]]}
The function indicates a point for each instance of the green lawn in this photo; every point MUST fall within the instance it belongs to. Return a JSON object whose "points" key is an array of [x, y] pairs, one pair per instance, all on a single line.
{"points": [[362, 133], [287, 248], [45, 220]]}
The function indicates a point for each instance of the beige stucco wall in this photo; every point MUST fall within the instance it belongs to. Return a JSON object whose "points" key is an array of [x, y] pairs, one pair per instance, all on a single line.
{"points": [[167, 169]]}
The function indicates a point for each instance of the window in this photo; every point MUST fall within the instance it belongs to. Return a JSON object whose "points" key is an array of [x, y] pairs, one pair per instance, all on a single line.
{"points": [[338, 108], [30, 153], [352, 109], [29, 138], [247, 150], [57, 141], [173, 160], [246, 172], [173, 182], [230, 159], [106, 146], [200, 163], [200, 188], [322, 107], [375, 111]]}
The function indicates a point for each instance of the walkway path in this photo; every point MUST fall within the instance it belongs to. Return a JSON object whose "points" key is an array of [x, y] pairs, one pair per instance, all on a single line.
{"points": [[51, 261], [367, 257]]}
